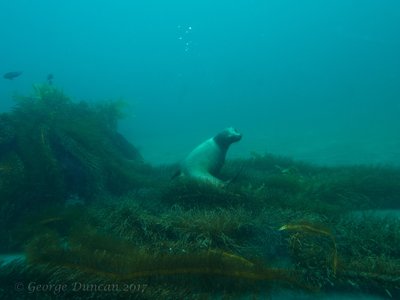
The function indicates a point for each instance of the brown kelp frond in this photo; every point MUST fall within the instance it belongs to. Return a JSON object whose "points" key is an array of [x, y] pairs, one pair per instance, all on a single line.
{"points": [[313, 230], [106, 257], [307, 227]]}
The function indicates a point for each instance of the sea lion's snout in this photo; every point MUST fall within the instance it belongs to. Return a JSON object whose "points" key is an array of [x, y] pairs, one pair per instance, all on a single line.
{"points": [[234, 134]]}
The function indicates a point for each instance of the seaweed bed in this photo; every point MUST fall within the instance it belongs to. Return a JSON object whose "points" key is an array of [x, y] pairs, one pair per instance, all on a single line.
{"points": [[93, 220]]}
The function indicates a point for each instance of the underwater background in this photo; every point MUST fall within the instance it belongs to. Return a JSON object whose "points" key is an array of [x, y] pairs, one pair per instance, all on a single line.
{"points": [[314, 80], [100, 101]]}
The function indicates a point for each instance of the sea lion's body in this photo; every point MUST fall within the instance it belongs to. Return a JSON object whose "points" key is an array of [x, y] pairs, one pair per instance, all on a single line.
{"points": [[207, 159]]}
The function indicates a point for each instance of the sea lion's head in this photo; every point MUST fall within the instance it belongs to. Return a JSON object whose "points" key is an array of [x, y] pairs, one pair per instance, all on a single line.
{"points": [[227, 136]]}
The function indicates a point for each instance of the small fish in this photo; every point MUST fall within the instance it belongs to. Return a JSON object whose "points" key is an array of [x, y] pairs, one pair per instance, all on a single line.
{"points": [[50, 78], [12, 75]]}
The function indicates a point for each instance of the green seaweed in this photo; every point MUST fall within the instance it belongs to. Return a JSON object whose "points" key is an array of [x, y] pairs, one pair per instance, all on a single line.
{"points": [[66, 138]]}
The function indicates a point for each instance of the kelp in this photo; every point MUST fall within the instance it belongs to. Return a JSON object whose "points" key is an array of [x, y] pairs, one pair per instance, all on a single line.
{"points": [[104, 257], [329, 266], [311, 229]]}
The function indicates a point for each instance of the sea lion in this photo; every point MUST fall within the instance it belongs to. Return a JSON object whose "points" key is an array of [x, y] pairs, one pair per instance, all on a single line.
{"points": [[207, 159]]}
